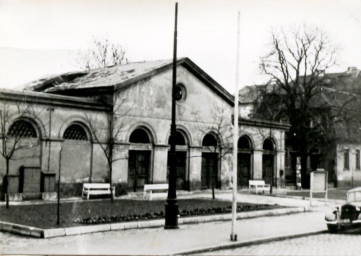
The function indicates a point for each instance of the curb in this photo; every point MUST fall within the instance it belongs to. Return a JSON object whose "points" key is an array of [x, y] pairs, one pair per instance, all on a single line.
{"points": [[232, 245], [78, 230], [307, 198]]}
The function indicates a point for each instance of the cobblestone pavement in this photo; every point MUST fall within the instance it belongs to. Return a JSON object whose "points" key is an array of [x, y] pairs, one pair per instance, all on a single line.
{"points": [[322, 244]]}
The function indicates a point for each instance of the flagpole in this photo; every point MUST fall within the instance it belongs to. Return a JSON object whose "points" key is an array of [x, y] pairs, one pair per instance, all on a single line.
{"points": [[235, 139]]}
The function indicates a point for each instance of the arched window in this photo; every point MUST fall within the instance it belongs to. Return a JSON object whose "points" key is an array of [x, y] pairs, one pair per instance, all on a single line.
{"points": [[139, 136], [209, 141], [268, 145], [179, 139], [22, 129], [75, 132], [244, 143]]}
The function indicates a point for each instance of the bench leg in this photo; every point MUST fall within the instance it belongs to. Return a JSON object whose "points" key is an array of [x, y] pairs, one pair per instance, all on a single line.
{"points": [[87, 196], [150, 195]]}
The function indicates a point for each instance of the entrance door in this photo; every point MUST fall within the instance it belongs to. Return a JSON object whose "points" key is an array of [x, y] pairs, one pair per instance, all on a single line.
{"points": [[267, 164], [244, 169], [138, 169], [180, 159], [209, 172]]}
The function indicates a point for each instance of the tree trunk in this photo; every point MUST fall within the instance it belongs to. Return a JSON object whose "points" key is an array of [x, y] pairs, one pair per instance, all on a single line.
{"points": [[213, 184], [7, 183], [111, 183]]}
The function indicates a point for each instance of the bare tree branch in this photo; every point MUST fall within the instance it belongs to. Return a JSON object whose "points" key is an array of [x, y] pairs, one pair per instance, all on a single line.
{"points": [[103, 54]]}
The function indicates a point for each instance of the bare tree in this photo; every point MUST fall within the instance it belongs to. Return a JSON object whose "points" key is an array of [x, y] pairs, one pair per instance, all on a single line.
{"points": [[106, 132], [103, 53], [221, 129], [296, 63], [16, 139]]}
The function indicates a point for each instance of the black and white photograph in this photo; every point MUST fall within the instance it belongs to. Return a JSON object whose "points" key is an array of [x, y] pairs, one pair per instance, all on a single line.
{"points": [[180, 127]]}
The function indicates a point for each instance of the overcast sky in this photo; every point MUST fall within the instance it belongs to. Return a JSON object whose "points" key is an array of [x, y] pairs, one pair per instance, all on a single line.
{"points": [[42, 37]]}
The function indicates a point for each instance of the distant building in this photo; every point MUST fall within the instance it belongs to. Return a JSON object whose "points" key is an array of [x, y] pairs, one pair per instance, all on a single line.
{"points": [[69, 126], [341, 158]]}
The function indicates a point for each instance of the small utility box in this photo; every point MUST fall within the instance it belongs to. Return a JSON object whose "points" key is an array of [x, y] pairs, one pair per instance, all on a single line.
{"points": [[319, 183]]}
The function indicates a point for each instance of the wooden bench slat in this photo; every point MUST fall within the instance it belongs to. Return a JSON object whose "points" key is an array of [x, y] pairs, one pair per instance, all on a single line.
{"points": [[95, 189], [154, 187], [258, 185]]}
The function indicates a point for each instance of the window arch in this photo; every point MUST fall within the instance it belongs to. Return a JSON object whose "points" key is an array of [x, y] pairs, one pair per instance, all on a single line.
{"points": [[75, 132], [179, 139], [244, 143], [22, 129], [139, 136], [209, 140], [268, 145]]}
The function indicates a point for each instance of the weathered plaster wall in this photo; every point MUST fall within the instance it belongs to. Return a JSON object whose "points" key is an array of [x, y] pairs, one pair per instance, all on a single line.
{"points": [[148, 105], [345, 176], [76, 164]]}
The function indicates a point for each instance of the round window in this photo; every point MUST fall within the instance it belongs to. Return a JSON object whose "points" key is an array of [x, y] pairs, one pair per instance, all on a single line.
{"points": [[180, 93]]}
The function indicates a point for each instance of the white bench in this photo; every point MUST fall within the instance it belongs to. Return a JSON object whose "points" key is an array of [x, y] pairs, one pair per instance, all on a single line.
{"points": [[149, 188], [258, 185], [95, 189]]}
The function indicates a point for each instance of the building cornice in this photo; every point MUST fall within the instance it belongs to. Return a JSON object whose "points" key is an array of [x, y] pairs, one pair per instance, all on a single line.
{"points": [[29, 97], [264, 124]]}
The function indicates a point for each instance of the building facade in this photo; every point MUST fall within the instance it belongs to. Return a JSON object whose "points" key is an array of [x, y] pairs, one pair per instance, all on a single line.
{"points": [[66, 126]]}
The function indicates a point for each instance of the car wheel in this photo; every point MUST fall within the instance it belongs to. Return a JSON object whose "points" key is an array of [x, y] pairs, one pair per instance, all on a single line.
{"points": [[332, 228]]}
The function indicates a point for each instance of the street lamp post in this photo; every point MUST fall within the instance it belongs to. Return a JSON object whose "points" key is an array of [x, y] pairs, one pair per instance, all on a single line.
{"points": [[171, 207]]}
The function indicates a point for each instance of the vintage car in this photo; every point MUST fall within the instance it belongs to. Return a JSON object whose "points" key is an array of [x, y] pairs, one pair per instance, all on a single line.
{"points": [[348, 215]]}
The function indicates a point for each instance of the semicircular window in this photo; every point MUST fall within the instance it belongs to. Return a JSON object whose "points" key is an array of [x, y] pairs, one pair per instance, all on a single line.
{"points": [[268, 145], [75, 132], [22, 129], [209, 141], [139, 136], [244, 143], [179, 139]]}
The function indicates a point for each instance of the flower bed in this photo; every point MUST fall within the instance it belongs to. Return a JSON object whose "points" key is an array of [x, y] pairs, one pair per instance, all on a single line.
{"points": [[160, 214], [103, 211]]}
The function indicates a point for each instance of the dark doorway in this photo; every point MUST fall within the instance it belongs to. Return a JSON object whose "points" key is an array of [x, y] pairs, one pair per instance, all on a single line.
{"points": [[244, 161], [268, 161], [138, 169], [209, 172], [267, 168], [180, 158], [244, 169]]}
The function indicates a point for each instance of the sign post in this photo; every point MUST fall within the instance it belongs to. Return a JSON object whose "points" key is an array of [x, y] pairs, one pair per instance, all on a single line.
{"points": [[319, 183]]}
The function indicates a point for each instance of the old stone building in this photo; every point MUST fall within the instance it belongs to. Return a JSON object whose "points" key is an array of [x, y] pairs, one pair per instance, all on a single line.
{"points": [[69, 123], [334, 109]]}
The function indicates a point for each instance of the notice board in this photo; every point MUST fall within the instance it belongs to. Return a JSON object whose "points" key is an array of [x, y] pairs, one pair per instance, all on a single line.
{"points": [[319, 183]]}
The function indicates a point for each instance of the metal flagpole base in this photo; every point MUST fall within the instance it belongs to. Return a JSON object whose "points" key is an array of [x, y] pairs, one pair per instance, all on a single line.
{"points": [[233, 237]]}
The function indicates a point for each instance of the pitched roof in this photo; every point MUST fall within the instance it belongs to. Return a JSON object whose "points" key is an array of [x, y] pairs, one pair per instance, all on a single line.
{"points": [[332, 98], [102, 77], [121, 76]]}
